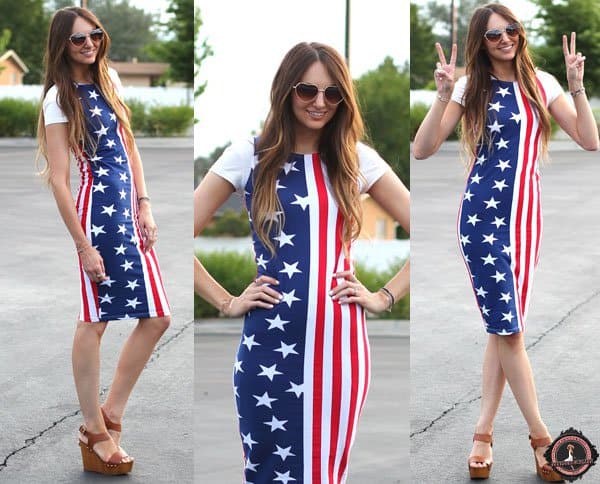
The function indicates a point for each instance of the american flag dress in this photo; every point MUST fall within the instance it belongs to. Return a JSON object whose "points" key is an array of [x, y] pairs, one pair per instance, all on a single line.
{"points": [[302, 368], [106, 203], [500, 216]]}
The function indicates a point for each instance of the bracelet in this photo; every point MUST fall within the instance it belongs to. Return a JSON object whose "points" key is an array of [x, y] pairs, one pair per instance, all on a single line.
{"points": [[445, 100], [82, 247], [390, 296], [579, 91], [141, 199]]}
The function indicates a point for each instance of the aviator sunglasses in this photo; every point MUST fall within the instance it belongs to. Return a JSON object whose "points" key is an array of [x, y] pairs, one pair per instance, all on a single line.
{"points": [[79, 38], [494, 35], [307, 92]]}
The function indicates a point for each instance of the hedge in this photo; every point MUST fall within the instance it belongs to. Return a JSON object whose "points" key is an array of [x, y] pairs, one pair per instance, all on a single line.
{"points": [[235, 271], [18, 117]]}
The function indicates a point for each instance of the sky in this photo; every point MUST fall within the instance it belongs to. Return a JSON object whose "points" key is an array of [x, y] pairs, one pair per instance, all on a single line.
{"points": [[249, 40]]}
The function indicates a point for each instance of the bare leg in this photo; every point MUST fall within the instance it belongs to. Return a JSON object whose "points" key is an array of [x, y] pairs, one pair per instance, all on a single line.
{"points": [[516, 366], [492, 384], [134, 355], [86, 372]]}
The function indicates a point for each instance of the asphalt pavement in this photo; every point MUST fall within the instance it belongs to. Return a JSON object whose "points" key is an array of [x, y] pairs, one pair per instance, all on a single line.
{"points": [[39, 413], [380, 452], [447, 335]]}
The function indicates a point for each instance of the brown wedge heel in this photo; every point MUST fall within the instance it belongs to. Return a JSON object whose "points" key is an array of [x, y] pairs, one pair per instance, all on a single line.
{"points": [[480, 472], [545, 473], [93, 463]]}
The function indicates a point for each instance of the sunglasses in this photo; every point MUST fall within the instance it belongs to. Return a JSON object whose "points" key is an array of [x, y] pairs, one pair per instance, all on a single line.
{"points": [[494, 35], [307, 92], [79, 38]]}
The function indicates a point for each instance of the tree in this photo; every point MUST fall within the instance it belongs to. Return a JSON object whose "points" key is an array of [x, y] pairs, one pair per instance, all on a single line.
{"points": [[202, 164], [384, 97], [202, 52], [422, 50], [558, 18], [131, 29], [28, 22]]}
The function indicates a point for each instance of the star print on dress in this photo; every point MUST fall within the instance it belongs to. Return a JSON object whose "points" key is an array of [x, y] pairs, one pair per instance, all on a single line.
{"points": [[499, 224], [279, 376], [107, 208]]}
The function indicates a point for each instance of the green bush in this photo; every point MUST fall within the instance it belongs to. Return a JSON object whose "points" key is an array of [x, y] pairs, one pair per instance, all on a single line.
{"points": [[229, 224], [18, 117], [417, 115], [168, 120], [138, 115], [235, 271]]}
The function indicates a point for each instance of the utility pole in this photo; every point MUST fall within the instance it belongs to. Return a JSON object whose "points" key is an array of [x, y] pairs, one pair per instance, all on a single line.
{"points": [[454, 28], [347, 40]]}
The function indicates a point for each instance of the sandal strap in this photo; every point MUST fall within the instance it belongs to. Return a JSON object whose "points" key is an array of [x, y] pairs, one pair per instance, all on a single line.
{"points": [[92, 438], [110, 425], [541, 442], [483, 438]]}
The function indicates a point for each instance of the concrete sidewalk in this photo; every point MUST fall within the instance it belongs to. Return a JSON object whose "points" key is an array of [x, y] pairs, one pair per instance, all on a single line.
{"points": [[39, 413], [380, 454], [447, 335]]}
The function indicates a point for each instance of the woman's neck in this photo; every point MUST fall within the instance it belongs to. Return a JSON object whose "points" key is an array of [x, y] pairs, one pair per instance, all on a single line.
{"points": [[504, 71], [306, 140], [81, 74]]}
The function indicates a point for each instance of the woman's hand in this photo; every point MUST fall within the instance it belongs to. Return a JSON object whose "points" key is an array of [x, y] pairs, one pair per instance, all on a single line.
{"points": [[147, 226], [92, 264], [257, 295], [352, 291], [444, 72], [574, 63]]}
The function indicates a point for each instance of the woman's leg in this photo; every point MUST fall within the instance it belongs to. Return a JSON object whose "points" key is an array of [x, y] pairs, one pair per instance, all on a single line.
{"points": [[133, 358], [492, 386], [86, 372], [516, 366]]}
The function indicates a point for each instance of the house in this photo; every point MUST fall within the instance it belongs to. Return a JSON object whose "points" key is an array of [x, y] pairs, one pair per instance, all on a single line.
{"points": [[377, 224], [12, 69], [139, 73]]}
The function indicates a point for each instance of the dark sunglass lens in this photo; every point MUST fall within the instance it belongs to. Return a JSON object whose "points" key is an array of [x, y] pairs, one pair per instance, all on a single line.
{"points": [[493, 35], [333, 94], [306, 91], [512, 30], [96, 35], [78, 39]]}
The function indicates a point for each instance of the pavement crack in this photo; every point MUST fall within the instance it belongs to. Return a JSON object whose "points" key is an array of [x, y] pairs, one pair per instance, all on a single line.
{"points": [[542, 335], [32, 440]]}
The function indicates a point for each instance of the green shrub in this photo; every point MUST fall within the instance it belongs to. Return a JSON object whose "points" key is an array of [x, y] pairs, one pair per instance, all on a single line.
{"points": [[229, 224], [168, 120], [417, 115], [18, 117], [235, 271], [138, 115]]}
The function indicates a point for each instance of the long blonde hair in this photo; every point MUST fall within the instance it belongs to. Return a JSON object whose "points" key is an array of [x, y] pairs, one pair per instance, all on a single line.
{"points": [[479, 85], [58, 73], [337, 143]]}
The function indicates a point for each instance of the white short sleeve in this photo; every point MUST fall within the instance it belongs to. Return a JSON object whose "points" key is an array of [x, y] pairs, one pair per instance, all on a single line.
{"points": [[235, 164], [550, 85], [372, 166], [459, 90], [53, 113], [114, 76]]}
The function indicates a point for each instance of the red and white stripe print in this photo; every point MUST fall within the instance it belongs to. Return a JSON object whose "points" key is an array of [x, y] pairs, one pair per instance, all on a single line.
{"points": [[336, 362]]}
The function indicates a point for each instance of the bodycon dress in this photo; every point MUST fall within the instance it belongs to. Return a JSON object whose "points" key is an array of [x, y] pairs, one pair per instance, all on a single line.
{"points": [[302, 368], [500, 218], [106, 203]]}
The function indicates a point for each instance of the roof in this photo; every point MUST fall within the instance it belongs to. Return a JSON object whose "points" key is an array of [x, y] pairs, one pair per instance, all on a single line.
{"points": [[140, 68], [12, 54]]}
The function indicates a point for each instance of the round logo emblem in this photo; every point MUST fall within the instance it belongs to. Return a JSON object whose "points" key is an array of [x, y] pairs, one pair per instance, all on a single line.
{"points": [[571, 454]]}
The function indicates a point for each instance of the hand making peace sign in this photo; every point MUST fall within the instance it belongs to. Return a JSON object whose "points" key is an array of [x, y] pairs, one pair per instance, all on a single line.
{"points": [[444, 73], [574, 62]]}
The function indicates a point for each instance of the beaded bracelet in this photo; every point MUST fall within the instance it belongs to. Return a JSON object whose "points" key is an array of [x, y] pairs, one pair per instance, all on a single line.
{"points": [[390, 296], [579, 91], [445, 100], [141, 199]]}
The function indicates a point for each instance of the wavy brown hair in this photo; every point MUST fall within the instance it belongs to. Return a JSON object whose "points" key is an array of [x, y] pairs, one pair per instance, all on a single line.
{"points": [[58, 72], [478, 70], [337, 143]]}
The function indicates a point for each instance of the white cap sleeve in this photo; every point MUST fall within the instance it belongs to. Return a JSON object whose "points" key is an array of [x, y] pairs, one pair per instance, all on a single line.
{"points": [[235, 163], [372, 166], [550, 85], [52, 111], [114, 76], [459, 90]]}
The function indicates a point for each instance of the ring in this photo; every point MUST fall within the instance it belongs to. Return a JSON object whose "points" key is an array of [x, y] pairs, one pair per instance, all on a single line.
{"points": [[99, 275]]}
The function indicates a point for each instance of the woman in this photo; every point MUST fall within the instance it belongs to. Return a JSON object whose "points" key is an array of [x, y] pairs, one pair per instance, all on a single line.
{"points": [[302, 368], [504, 132], [110, 222]]}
